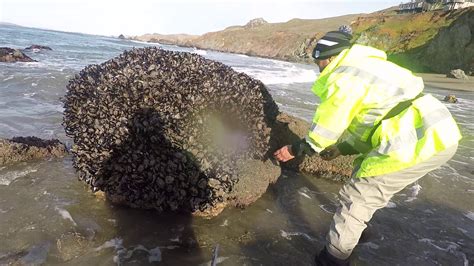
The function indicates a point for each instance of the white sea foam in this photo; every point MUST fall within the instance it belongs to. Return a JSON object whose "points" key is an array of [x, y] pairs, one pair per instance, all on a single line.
{"points": [[391, 205], [218, 260], [65, 214], [116, 243], [464, 231], [414, 191], [304, 194], [7, 178], [451, 247], [199, 52], [324, 208], [470, 215], [122, 253], [288, 235], [141, 42], [31, 94], [225, 223], [176, 239], [281, 74], [8, 78]]}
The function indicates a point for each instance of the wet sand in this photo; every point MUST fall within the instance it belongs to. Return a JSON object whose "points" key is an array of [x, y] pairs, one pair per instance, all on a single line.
{"points": [[440, 81]]}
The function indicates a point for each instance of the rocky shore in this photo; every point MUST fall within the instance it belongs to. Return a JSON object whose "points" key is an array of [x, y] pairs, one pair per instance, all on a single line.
{"points": [[20, 149], [10, 55]]}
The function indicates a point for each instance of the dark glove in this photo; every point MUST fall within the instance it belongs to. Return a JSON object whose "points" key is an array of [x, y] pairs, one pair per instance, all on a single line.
{"points": [[301, 147], [330, 153]]}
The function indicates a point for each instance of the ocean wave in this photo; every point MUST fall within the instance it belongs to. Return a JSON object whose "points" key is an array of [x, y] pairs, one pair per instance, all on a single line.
{"points": [[7, 178], [288, 235], [199, 52], [8, 78], [122, 253], [470, 215], [280, 75], [65, 215], [147, 43]]}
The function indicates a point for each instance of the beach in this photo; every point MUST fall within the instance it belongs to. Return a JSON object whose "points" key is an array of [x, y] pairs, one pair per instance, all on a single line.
{"points": [[48, 217], [440, 81]]}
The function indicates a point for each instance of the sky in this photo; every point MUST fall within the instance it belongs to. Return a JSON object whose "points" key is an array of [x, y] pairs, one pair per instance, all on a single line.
{"points": [[136, 17]]}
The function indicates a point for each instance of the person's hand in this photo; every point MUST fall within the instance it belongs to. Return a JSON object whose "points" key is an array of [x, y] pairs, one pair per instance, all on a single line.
{"points": [[284, 154], [330, 153]]}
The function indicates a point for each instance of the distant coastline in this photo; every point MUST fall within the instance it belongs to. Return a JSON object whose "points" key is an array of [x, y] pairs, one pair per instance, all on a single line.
{"points": [[430, 42]]}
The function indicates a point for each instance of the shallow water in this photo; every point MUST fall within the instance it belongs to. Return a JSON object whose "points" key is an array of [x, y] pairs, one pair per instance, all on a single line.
{"points": [[47, 216]]}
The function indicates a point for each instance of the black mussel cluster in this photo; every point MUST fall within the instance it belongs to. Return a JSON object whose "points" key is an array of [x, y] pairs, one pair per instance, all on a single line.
{"points": [[166, 130]]}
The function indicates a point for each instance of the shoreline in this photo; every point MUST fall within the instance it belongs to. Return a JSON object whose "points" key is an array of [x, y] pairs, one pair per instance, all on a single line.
{"points": [[440, 81], [434, 80]]}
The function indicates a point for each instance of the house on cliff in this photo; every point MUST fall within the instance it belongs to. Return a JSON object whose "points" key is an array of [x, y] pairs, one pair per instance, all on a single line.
{"points": [[417, 6], [457, 4], [413, 7]]}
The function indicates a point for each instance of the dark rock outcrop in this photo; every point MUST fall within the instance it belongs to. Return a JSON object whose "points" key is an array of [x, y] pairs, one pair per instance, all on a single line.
{"points": [[122, 37], [21, 149], [36, 47], [450, 98], [10, 55], [457, 74], [255, 23], [289, 129]]}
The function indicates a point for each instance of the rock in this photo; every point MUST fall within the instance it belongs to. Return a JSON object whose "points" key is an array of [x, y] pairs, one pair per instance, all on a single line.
{"points": [[289, 129], [10, 55], [450, 98], [164, 130], [71, 245], [36, 48], [21, 149], [122, 37], [255, 23], [457, 74]]}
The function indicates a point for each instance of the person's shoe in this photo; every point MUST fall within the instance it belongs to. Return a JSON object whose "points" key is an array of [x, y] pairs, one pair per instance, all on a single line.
{"points": [[326, 259]]}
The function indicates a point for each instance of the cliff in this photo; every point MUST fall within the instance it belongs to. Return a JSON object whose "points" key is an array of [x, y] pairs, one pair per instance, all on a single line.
{"points": [[292, 40], [435, 41]]}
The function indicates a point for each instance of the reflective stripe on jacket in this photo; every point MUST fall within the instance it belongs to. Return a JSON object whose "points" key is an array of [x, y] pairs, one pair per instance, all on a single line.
{"points": [[357, 89]]}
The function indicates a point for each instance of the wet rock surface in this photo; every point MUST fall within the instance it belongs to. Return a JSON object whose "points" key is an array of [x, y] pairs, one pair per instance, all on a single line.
{"points": [[450, 98], [21, 149], [289, 129], [36, 47], [457, 74], [166, 130], [10, 55]]}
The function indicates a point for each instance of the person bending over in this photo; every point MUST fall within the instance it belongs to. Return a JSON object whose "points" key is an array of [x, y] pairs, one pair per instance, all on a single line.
{"points": [[375, 108]]}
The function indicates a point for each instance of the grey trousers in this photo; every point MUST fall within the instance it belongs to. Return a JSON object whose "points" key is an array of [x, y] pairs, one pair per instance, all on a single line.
{"points": [[361, 197]]}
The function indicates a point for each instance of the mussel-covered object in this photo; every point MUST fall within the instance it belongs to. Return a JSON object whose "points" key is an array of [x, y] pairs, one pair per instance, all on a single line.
{"points": [[166, 130]]}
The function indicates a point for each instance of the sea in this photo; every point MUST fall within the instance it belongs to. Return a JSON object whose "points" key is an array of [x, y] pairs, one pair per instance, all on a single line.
{"points": [[48, 217]]}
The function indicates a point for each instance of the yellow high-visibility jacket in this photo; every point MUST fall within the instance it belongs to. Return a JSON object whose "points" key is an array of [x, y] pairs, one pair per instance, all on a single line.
{"points": [[357, 90]]}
